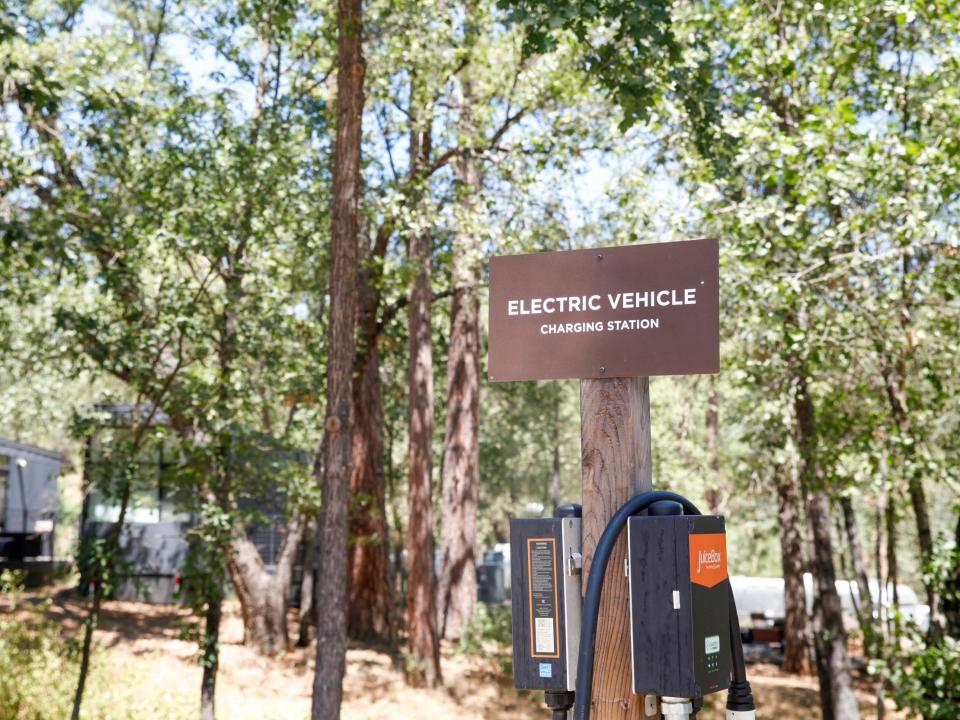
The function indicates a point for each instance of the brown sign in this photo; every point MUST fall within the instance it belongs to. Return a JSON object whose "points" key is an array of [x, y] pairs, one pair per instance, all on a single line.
{"points": [[611, 312]]}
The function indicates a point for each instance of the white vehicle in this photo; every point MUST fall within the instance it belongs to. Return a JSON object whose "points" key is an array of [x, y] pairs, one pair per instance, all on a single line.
{"points": [[760, 601]]}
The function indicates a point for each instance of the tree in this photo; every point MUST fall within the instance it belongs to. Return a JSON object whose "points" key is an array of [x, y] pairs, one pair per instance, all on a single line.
{"points": [[460, 470], [337, 444], [421, 579], [370, 606], [163, 295], [796, 205]]}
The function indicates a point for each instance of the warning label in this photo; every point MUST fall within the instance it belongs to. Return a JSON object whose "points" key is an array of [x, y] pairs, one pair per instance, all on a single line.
{"points": [[541, 554]]}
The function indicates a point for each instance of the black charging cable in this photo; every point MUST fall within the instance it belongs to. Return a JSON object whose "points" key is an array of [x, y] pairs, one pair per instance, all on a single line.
{"points": [[739, 697]]}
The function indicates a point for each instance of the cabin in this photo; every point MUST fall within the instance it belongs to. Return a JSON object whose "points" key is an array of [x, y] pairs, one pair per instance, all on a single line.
{"points": [[29, 501], [155, 536]]}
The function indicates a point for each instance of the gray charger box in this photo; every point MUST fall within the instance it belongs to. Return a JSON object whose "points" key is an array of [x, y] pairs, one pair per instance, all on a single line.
{"points": [[545, 594]]}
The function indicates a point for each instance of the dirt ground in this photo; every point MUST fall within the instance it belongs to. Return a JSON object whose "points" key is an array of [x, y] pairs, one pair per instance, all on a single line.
{"points": [[143, 649]]}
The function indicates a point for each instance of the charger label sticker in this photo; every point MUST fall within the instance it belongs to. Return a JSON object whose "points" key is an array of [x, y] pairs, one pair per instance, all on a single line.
{"points": [[542, 587], [543, 634], [546, 670], [708, 558]]}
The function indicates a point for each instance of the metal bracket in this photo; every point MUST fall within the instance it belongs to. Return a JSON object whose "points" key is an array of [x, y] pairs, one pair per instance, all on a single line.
{"points": [[574, 563]]}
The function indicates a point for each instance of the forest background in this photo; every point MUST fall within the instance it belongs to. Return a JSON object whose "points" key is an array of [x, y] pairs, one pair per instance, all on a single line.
{"points": [[270, 220]]}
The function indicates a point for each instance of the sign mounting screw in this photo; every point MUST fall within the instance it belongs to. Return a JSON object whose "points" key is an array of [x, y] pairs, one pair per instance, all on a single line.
{"points": [[601, 369]]}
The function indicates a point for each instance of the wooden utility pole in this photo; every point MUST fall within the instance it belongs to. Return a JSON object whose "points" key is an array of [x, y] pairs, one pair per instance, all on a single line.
{"points": [[616, 464]]}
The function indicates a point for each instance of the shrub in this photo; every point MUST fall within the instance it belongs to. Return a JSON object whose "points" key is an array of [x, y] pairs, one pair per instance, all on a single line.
{"points": [[38, 664], [928, 684], [490, 624], [40, 668]]}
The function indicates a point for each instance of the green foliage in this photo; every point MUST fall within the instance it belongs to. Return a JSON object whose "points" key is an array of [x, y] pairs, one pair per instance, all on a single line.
{"points": [[39, 671], [165, 227], [927, 681], [11, 582], [490, 625], [632, 51], [40, 666]]}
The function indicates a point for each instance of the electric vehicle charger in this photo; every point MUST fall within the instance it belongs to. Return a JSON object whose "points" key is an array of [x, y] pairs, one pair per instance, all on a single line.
{"points": [[740, 703], [545, 571]]}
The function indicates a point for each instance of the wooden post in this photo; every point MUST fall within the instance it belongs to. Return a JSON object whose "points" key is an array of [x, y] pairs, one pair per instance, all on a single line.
{"points": [[616, 464]]}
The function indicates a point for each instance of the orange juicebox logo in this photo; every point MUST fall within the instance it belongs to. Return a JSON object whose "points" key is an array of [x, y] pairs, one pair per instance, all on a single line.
{"points": [[708, 558]]}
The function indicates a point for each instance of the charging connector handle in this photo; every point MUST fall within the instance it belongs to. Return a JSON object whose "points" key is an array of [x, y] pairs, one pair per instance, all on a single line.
{"points": [[739, 697]]}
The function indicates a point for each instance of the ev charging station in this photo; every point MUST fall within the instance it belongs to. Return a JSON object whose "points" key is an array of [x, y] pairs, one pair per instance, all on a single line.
{"points": [[608, 317], [545, 563], [679, 608]]}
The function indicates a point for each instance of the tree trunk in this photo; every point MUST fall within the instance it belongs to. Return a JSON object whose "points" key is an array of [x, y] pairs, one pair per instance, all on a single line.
{"points": [[211, 658], [424, 637], [864, 604], [461, 447], [421, 605], [308, 585], [264, 596], [104, 569], [891, 590], [338, 438], [368, 614], [832, 638], [796, 658], [713, 451]]}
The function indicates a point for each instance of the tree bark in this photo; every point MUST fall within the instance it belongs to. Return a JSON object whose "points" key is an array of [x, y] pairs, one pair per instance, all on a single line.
{"points": [[264, 596], [308, 585], [616, 464], [713, 451], [891, 590], [461, 447], [337, 443], [211, 659], [424, 636], [93, 616], [832, 638], [864, 604], [421, 605], [368, 614], [421, 580], [796, 658]]}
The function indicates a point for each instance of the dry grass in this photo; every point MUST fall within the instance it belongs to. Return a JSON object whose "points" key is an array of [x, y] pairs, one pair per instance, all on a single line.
{"points": [[144, 652]]}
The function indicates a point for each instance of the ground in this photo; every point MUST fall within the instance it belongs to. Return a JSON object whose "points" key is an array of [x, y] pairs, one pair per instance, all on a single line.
{"points": [[144, 653]]}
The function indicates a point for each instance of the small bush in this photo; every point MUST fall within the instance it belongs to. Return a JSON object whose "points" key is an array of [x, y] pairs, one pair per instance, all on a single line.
{"points": [[11, 582], [928, 683], [490, 624], [39, 670]]}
